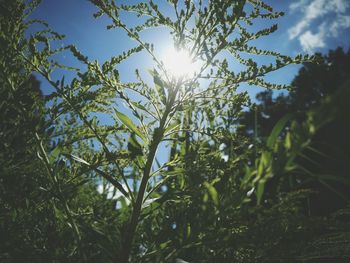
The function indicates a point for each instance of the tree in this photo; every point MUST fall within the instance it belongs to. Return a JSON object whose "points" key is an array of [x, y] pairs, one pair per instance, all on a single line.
{"points": [[172, 107], [21, 114], [326, 156], [41, 200]]}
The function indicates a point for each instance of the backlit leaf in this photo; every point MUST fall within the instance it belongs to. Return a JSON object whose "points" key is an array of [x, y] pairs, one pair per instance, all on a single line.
{"points": [[129, 124]]}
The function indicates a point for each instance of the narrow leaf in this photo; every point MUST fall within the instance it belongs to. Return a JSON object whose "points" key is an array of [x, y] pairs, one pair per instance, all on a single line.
{"points": [[108, 177], [159, 184], [148, 202], [260, 190], [171, 127], [212, 192], [159, 85], [78, 159], [128, 123], [277, 129]]}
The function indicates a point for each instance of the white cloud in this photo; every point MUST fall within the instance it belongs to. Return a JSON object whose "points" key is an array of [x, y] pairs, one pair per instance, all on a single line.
{"points": [[341, 22], [310, 41], [297, 5], [331, 13], [297, 29]]}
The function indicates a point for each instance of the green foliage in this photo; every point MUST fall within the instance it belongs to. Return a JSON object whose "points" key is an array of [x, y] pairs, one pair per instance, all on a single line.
{"points": [[49, 212], [216, 198], [314, 143]]}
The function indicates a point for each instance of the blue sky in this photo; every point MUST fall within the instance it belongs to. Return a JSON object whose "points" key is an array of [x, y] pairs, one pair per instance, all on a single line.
{"points": [[308, 26]]}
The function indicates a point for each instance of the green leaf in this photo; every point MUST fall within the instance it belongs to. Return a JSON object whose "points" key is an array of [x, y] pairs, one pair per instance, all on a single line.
{"points": [[260, 190], [277, 129], [108, 177], [128, 123], [78, 159], [140, 106], [149, 201], [288, 141], [175, 172], [159, 85], [159, 184], [171, 127], [55, 153], [212, 192], [165, 244], [264, 163], [134, 146], [188, 230]]}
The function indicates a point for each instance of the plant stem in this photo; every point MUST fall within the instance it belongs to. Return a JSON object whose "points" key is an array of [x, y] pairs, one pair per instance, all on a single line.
{"points": [[126, 249], [157, 137]]}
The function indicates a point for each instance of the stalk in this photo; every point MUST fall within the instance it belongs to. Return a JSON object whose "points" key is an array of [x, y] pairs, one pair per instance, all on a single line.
{"points": [[156, 139]]}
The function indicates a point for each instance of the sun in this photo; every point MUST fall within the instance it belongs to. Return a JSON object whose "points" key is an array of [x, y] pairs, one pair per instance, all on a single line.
{"points": [[179, 63]]}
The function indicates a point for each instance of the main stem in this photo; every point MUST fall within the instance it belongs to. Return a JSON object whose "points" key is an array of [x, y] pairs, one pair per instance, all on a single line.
{"points": [[156, 139], [129, 235]]}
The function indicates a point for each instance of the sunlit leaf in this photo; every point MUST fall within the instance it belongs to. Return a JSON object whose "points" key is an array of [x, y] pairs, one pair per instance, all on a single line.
{"points": [[260, 190], [128, 123], [212, 192], [277, 129]]}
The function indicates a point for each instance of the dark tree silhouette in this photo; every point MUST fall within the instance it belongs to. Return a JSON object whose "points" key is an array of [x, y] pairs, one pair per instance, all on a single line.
{"points": [[315, 84]]}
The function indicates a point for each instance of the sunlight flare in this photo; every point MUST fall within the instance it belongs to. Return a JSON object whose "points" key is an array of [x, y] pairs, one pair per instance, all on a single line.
{"points": [[180, 64]]}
